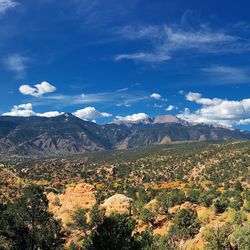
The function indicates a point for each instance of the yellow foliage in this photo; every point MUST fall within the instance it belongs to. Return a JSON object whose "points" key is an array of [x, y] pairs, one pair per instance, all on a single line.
{"points": [[71, 185]]}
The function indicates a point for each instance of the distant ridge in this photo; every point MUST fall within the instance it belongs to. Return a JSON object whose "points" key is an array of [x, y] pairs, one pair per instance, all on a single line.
{"points": [[69, 134]]}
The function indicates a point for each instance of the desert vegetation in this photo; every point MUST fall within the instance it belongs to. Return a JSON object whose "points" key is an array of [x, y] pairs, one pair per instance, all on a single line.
{"points": [[176, 196]]}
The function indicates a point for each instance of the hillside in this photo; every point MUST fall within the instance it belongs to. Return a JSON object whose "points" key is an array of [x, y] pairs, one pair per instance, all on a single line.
{"points": [[152, 185], [193, 161]]}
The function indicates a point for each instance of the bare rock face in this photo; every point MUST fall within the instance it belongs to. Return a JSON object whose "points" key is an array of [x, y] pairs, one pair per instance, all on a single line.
{"points": [[79, 196], [165, 140], [167, 119], [118, 203]]}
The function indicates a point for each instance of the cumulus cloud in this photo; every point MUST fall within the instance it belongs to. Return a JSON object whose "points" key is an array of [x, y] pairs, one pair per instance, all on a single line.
{"points": [[6, 5], [132, 118], [37, 90], [17, 64], [26, 110], [90, 113], [156, 96], [170, 108], [217, 111], [197, 97]]}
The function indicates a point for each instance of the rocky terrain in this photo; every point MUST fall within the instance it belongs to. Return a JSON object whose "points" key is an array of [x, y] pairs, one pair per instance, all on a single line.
{"points": [[151, 185]]}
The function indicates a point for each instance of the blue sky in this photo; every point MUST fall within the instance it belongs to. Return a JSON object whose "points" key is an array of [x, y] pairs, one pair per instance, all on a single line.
{"points": [[115, 59]]}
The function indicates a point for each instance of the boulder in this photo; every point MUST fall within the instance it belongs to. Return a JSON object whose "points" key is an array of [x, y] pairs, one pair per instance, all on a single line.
{"points": [[118, 203]]}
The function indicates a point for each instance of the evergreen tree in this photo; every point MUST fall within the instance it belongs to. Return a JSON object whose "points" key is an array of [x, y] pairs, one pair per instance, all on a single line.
{"points": [[27, 224], [242, 237], [114, 233], [218, 238], [79, 221], [185, 225]]}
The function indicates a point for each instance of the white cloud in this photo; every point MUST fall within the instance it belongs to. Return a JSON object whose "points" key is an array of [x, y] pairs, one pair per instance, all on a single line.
{"points": [[49, 114], [191, 96], [144, 57], [170, 108], [38, 89], [156, 96], [196, 97], [217, 111], [90, 113], [26, 110], [27, 106], [133, 118], [17, 64], [7, 5], [243, 121]]}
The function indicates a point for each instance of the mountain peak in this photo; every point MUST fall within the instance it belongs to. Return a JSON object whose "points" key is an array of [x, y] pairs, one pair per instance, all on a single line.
{"points": [[67, 114], [161, 119], [167, 119]]}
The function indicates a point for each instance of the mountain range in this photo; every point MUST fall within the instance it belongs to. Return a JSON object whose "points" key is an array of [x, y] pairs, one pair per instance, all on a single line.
{"points": [[68, 134]]}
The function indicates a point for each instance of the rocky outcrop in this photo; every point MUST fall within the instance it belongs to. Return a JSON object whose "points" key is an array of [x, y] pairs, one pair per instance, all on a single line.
{"points": [[118, 203], [79, 196]]}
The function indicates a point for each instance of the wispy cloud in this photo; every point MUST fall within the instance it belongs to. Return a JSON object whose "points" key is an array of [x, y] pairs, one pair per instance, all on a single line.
{"points": [[144, 57], [166, 40], [17, 63], [6, 5], [125, 98], [98, 14], [224, 74]]}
